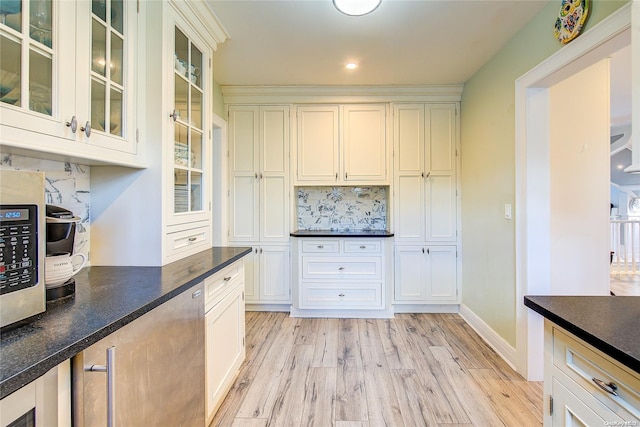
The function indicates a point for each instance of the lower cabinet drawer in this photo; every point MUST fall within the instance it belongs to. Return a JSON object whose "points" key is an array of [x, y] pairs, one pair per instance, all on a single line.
{"points": [[181, 242], [217, 285], [611, 384], [316, 268], [367, 295], [321, 246]]}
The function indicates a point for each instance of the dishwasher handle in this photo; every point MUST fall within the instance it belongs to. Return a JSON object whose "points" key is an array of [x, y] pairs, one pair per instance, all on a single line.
{"points": [[110, 369]]}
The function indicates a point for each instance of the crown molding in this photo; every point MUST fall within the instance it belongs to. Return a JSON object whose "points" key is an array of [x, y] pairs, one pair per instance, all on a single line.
{"points": [[207, 20], [340, 94]]}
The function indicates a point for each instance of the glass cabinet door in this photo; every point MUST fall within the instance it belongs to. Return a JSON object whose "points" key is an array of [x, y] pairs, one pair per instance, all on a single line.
{"points": [[27, 54], [108, 41], [188, 116]]}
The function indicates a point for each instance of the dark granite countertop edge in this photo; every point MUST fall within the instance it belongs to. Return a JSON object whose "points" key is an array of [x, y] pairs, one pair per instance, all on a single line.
{"points": [[597, 342], [337, 233], [24, 377]]}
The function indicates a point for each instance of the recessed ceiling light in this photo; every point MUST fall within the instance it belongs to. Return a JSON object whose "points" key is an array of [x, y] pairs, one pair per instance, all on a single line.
{"points": [[351, 65]]}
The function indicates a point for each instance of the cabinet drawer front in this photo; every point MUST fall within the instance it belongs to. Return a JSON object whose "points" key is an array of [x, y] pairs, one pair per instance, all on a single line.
{"points": [[583, 365], [187, 240], [321, 246], [319, 295], [368, 268], [361, 246], [216, 286]]}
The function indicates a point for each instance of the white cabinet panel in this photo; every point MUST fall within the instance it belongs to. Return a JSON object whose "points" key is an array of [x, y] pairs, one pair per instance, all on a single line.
{"points": [[259, 173], [342, 144], [317, 154], [317, 268], [410, 208], [425, 274], [275, 273], [441, 208], [365, 143], [410, 274]]}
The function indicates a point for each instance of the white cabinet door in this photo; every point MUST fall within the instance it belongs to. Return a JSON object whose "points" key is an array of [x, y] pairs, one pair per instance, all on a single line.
{"points": [[275, 274], [425, 274], [425, 173], [259, 173], [274, 173], [252, 276], [441, 274], [225, 348], [364, 143], [243, 168], [410, 274], [69, 75], [441, 183], [409, 182], [318, 144]]}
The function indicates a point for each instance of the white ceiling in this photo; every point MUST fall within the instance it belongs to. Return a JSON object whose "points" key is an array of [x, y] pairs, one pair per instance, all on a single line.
{"points": [[403, 42]]}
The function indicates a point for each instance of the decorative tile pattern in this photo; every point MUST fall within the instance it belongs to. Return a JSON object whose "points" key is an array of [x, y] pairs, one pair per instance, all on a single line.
{"points": [[342, 208], [66, 185]]}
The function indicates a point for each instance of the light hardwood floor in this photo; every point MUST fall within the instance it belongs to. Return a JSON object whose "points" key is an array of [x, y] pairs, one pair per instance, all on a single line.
{"points": [[623, 285], [414, 370]]}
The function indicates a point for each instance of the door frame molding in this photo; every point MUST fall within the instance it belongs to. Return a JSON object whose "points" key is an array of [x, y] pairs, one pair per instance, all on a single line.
{"points": [[532, 174]]}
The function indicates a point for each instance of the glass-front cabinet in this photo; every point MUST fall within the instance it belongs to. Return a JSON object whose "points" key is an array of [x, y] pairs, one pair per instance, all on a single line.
{"points": [[191, 90], [67, 77]]}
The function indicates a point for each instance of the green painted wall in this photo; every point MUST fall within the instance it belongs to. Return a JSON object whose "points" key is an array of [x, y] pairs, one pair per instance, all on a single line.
{"points": [[488, 168]]}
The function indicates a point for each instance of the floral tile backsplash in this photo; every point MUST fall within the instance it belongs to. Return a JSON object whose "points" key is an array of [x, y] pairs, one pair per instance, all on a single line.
{"points": [[66, 185], [342, 208]]}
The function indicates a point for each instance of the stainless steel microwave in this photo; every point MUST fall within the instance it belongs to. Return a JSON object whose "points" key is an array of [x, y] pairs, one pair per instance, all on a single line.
{"points": [[22, 246]]}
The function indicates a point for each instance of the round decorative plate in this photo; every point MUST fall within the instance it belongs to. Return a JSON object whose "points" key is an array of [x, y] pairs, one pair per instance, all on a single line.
{"points": [[571, 18]]}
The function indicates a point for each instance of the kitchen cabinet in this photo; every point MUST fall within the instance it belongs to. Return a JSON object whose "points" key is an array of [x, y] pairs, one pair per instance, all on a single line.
{"points": [[157, 358], [224, 333], [583, 386], [259, 174], [341, 276], [426, 203], [268, 276], [425, 274], [342, 145], [45, 402], [259, 200], [176, 216], [68, 75], [425, 181]]}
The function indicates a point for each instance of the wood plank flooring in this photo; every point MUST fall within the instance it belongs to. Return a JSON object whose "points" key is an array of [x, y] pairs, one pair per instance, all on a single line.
{"points": [[625, 285], [414, 370]]}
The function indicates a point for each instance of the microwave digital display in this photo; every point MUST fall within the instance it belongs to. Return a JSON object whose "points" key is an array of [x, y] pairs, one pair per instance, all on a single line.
{"points": [[14, 215]]}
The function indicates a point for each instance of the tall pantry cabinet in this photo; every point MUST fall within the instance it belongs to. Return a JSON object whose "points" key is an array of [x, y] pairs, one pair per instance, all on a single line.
{"points": [[426, 203], [259, 196]]}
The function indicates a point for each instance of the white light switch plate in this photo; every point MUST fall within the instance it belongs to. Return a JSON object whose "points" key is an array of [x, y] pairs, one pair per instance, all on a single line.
{"points": [[507, 211]]}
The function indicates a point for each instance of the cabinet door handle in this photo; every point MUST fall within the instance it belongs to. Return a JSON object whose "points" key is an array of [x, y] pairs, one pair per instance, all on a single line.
{"points": [[86, 129], [226, 279], [320, 246], [609, 388], [340, 295], [428, 174], [340, 268], [336, 176], [196, 294], [110, 370], [422, 174], [260, 175], [73, 124], [175, 115], [193, 239], [256, 175], [346, 176], [363, 247]]}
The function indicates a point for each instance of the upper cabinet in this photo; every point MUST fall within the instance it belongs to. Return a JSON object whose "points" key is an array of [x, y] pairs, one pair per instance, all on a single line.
{"points": [[425, 186], [343, 145], [67, 79]]}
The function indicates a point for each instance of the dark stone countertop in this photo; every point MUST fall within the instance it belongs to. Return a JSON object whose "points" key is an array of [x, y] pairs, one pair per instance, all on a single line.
{"points": [[341, 233], [106, 299], [609, 323]]}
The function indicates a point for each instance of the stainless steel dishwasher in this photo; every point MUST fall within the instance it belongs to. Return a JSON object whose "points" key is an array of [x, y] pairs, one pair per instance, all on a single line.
{"points": [[148, 373]]}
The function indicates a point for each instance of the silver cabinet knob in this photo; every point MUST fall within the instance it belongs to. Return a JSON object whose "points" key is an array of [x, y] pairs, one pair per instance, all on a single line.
{"points": [[340, 268], [341, 295], [175, 115], [86, 129], [73, 124]]}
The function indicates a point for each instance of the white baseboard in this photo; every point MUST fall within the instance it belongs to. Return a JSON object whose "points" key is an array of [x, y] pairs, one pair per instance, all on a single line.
{"points": [[267, 307], [488, 335], [342, 314]]}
